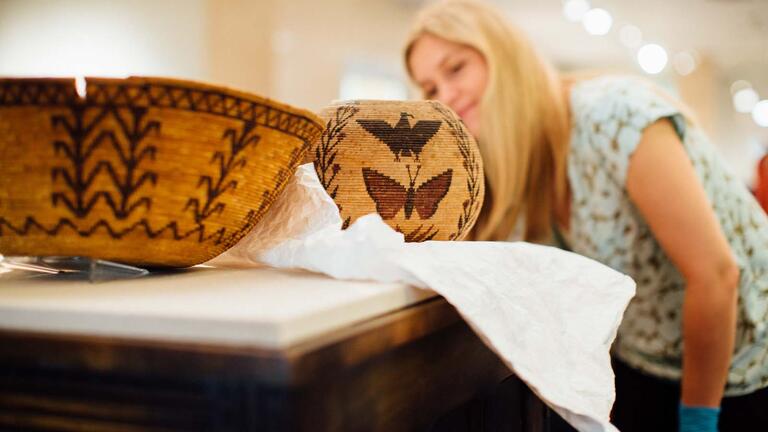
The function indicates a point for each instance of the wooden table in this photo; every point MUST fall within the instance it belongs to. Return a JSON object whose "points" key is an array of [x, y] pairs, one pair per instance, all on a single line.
{"points": [[247, 350]]}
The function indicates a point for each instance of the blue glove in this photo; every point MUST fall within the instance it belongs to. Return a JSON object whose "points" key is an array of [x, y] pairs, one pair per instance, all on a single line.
{"points": [[698, 419]]}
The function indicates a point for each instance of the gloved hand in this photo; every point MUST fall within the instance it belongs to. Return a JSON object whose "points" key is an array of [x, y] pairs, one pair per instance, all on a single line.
{"points": [[698, 419]]}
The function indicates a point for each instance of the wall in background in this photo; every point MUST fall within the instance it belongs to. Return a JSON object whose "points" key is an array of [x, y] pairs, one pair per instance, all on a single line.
{"points": [[104, 38], [317, 42], [238, 44], [741, 142], [296, 51]]}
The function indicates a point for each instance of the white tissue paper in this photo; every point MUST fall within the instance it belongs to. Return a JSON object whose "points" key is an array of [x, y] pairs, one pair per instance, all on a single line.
{"points": [[550, 315]]}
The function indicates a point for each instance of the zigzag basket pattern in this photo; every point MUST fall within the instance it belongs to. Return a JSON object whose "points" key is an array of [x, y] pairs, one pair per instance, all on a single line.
{"points": [[147, 171]]}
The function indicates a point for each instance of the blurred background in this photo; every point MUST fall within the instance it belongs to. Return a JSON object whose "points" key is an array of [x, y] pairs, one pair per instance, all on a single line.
{"points": [[711, 53]]}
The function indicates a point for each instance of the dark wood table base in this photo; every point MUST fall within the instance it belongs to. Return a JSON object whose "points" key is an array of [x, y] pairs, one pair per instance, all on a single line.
{"points": [[419, 369]]}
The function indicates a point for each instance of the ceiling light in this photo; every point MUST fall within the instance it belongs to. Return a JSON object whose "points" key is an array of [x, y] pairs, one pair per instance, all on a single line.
{"points": [[597, 21], [740, 85], [760, 113], [574, 10], [684, 63], [652, 58], [630, 36], [745, 100]]}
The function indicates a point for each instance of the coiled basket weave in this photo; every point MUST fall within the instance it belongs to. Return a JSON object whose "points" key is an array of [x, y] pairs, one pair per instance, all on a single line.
{"points": [[412, 162], [145, 171]]}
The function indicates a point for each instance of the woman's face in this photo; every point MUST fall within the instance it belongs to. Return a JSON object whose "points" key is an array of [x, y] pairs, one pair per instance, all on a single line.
{"points": [[451, 73]]}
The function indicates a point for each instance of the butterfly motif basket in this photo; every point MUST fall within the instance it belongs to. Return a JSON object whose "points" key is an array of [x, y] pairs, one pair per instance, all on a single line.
{"points": [[146, 171], [412, 162]]}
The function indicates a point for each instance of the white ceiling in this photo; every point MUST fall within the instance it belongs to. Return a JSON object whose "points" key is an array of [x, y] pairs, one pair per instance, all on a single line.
{"points": [[731, 34]]}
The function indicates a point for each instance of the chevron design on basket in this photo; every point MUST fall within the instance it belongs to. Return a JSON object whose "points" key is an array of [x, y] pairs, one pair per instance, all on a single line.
{"points": [[31, 225], [161, 96], [127, 104]]}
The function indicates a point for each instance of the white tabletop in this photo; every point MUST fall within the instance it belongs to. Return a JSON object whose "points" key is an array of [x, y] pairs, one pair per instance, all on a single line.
{"points": [[263, 308]]}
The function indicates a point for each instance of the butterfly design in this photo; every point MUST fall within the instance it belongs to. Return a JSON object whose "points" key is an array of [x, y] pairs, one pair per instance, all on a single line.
{"points": [[390, 196], [403, 140]]}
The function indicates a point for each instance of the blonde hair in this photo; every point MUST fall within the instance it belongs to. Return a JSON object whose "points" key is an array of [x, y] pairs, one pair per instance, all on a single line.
{"points": [[524, 126]]}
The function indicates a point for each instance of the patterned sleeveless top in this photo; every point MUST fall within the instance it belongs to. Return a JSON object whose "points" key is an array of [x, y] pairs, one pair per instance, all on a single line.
{"points": [[609, 115]]}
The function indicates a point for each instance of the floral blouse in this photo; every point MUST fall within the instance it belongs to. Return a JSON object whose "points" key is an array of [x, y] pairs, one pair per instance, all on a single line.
{"points": [[610, 114]]}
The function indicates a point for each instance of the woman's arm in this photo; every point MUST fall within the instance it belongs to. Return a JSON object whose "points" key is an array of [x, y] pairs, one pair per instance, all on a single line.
{"points": [[663, 185]]}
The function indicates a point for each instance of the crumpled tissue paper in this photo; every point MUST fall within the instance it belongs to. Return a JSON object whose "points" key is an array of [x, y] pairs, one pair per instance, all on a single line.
{"points": [[549, 314]]}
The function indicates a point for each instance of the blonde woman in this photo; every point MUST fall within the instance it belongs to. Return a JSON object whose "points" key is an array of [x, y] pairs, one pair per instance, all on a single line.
{"points": [[617, 171]]}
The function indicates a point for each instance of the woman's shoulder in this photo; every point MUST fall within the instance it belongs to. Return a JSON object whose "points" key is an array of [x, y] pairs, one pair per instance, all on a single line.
{"points": [[620, 103], [602, 86], [610, 114], [619, 97]]}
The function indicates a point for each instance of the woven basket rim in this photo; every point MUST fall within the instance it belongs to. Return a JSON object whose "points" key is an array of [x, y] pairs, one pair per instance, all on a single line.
{"points": [[181, 83]]}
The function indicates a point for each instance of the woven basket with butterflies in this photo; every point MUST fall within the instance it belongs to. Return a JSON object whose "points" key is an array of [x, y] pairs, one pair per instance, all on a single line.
{"points": [[414, 163]]}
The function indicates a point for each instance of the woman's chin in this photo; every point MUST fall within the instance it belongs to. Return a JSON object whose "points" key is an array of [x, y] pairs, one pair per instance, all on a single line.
{"points": [[473, 127]]}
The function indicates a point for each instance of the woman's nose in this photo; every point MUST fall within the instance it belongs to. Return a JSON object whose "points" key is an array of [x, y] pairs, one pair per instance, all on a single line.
{"points": [[448, 95]]}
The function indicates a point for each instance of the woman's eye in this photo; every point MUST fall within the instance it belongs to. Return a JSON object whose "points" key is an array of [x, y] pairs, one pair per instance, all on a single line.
{"points": [[456, 68]]}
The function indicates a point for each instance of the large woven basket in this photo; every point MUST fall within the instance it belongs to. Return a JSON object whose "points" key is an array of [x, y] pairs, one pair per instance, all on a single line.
{"points": [[413, 162], [145, 171]]}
